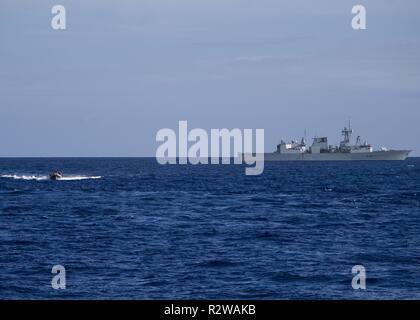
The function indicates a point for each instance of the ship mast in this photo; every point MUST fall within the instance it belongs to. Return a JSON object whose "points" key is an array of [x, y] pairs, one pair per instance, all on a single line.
{"points": [[347, 133]]}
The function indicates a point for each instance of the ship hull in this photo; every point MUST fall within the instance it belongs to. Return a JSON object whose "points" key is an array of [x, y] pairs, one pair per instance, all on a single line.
{"points": [[391, 155]]}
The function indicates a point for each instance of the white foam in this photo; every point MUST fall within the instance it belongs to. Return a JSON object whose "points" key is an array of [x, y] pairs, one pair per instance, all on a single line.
{"points": [[44, 177]]}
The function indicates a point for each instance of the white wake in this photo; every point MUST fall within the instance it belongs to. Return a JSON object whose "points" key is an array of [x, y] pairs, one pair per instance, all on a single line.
{"points": [[24, 177], [70, 178], [45, 177]]}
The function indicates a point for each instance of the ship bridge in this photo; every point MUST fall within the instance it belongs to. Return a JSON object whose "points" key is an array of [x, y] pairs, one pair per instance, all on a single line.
{"points": [[320, 145]]}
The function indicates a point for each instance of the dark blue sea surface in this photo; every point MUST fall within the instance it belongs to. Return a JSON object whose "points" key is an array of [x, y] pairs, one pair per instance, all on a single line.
{"points": [[127, 228]]}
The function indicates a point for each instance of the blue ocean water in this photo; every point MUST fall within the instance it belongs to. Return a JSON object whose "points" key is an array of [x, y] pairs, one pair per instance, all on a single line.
{"points": [[127, 228]]}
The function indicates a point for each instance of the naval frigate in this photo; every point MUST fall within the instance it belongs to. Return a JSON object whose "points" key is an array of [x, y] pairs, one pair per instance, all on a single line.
{"points": [[320, 150]]}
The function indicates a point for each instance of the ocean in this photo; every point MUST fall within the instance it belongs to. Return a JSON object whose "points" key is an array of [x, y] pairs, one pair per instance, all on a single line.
{"points": [[129, 228]]}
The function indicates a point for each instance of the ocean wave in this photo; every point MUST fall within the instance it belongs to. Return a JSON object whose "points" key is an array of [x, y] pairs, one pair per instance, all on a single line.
{"points": [[45, 177]]}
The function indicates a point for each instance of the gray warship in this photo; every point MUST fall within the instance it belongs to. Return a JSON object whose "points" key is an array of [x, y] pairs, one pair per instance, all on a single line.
{"points": [[320, 150]]}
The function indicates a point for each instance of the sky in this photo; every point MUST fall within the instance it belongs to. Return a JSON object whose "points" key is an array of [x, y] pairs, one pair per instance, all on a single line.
{"points": [[122, 70]]}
